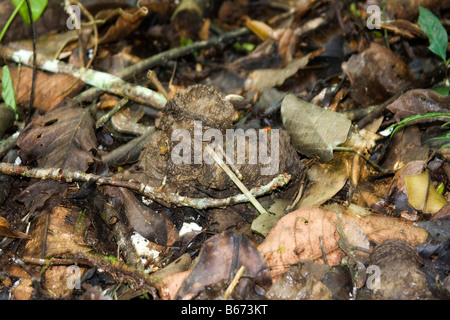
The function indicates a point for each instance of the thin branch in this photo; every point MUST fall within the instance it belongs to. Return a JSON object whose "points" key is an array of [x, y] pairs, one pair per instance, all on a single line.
{"points": [[100, 122], [146, 190], [33, 81], [237, 182], [94, 54], [233, 283], [101, 80], [162, 58]]}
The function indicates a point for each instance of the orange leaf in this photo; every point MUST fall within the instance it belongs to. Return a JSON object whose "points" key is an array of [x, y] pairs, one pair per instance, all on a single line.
{"points": [[5, 231]]}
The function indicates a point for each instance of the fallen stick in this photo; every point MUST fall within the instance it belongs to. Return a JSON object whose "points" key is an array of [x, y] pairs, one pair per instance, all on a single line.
{"points": [[162, 58], [102, 80], [66, 175], [218, 159]]}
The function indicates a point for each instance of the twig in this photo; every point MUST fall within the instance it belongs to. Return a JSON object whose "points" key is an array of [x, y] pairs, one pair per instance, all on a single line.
{"points": [[33, 81], [100, 122], [146, 190], [118, 269], [101, 80], [231, 164], [373, 164], [94, 54], [162, 58], [322, 248], [8, 143], [233, 283], [379, 110], [235, 179], [151, 75], [129, 151]]}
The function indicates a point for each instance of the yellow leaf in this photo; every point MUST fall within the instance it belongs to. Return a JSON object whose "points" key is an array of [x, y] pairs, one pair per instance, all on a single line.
{"points": [[262, 30], [422, 195]]}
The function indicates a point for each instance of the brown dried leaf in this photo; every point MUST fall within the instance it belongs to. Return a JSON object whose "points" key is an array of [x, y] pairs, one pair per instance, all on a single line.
{"points": [[220, 257], [376, 74], [127, 22], [126, 121], [62, 238], [260, 79], [63, 138], [404, 28], [419, 101], [152, 225], [409, 9], [326, 179], [48, 88], [406, 147], [296, 236]]}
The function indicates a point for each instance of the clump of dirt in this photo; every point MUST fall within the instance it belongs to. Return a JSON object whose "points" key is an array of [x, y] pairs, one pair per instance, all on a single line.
{"points": [[201, 115]]}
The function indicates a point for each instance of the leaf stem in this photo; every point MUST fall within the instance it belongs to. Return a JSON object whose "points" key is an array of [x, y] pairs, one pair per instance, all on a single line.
{"points": [[11, 18]]}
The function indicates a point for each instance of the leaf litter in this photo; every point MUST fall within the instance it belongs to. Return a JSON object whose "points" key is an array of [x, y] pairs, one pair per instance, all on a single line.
{"points": [[345, 198]]}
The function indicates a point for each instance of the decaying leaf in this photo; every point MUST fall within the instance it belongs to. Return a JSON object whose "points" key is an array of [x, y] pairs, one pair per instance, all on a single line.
{"points": [[62, 138], [409, 9], [406, 147], [314, 131], [220, 257], [301, 282], [151, 225], [418, 101], [376, 74], [404, 28], [127, 22], [6, 231], [296, 236], [439, 229], [422, 195], [126, 121], [49, 89], [260, 79], [24, 289], [266, 220], [326, 179], [59, 235]]}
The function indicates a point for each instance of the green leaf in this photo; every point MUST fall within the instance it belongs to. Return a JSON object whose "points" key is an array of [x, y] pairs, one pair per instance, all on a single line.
{"points": [[435, 32], [37, 7], [8, 93], [244, 46], [428, 117], [443, 91]]}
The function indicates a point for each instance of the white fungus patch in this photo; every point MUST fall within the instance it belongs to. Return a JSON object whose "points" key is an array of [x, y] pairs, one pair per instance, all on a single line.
{"points": [[141, 246], [189, 227]]}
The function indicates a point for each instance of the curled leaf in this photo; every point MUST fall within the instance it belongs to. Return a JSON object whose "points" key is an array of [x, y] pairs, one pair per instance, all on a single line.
{"points": [[6, 231], [422, 195]]}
